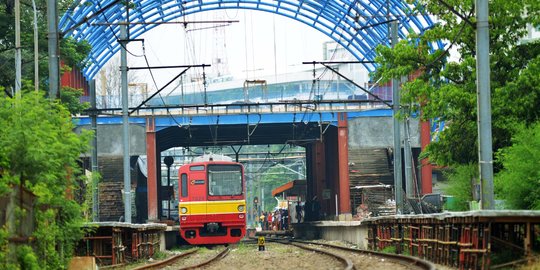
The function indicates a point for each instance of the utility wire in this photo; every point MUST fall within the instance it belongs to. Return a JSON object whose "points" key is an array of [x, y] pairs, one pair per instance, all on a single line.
{"points": [[156, 85], [454, 40], [121, 42]]}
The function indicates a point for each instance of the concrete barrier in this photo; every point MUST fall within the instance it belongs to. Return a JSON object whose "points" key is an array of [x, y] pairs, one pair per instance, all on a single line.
{"points": [[353, 232]]}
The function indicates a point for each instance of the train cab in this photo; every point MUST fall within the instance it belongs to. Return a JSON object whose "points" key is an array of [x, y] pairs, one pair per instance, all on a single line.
{"points": [[212, 205]]}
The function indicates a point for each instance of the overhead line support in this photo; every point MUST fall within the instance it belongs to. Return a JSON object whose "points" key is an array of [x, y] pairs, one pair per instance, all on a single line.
{"points": [[125, 125], [485, 143], [159, 23], [164, 67], [54, 57], [158, 91], [187, 67], [398, 185], [351, 81], [338, 62]]}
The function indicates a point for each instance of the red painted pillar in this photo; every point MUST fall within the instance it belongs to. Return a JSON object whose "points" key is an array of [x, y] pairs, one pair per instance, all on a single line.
{"points": [[425, 139], [320, 172], [426, 171], [151, 169], [343, 160]]}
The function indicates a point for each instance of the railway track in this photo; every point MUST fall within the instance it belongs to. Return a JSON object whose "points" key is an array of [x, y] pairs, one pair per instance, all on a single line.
{"points": [[178, 262], [335, 257], [362, 259]]}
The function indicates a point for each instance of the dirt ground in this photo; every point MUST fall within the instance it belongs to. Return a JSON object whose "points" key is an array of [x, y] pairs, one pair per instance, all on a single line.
{"points": [[246, 256], [275, 256]]}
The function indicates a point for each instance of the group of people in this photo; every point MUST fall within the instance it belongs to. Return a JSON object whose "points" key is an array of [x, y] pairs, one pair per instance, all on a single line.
{"points": [[276, 221], [279, 219]]}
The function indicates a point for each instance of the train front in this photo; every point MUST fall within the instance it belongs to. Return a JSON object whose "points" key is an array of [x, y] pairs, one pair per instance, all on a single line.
{"points": [[212, 204]]}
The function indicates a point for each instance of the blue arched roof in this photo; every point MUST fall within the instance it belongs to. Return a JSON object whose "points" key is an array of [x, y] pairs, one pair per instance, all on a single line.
{"points": [[341, 20]]}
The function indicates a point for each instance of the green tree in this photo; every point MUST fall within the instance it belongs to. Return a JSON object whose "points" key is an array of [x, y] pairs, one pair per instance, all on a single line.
{"points": [[446, 89], [72, 53], [519, 181], [274, 177], [39, 151], [70, 98]]}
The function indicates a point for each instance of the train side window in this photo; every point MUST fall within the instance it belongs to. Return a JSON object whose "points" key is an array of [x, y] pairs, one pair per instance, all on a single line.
{"points": [[184, 185], [197, 168]]}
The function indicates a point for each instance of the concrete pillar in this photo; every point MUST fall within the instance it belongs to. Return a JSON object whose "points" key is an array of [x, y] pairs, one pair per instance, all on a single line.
{"points": [[151, 162], [343, 159], [426, 170]]}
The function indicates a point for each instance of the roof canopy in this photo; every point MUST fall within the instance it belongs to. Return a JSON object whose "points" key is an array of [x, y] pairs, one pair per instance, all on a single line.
{"points": [[293, 188], [357, 25]]}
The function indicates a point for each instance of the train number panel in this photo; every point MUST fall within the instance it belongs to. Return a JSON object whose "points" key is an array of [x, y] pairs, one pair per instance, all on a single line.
{"points": [[212, 204]]}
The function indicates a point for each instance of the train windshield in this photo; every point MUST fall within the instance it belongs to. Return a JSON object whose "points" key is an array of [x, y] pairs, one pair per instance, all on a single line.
{"points": [[224, 180]]}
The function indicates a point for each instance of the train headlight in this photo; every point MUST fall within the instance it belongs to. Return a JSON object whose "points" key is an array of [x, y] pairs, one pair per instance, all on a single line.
{"points": [[183, 210], [240, 208]]}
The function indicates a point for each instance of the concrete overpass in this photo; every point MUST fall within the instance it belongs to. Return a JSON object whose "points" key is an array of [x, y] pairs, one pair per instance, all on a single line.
{"points": [[331, 139]]}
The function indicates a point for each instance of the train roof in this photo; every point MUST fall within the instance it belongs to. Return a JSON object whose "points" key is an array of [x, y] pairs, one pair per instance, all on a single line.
{"points": [[211, 162], [211, 157]]}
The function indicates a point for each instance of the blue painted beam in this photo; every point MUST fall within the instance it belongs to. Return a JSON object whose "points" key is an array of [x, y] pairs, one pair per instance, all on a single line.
{"points": [[275, 118]]}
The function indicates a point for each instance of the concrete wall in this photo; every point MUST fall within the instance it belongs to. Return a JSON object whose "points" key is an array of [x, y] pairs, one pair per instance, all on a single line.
{"points": [[378, 132], [364, 132], [353, 232], [110, 140]]}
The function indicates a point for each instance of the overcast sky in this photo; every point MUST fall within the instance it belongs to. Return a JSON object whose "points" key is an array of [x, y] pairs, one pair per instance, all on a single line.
{"points": [[261, 43]]}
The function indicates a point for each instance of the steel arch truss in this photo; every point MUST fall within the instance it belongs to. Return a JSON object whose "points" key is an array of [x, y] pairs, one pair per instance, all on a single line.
{"points": [[357, 25]]}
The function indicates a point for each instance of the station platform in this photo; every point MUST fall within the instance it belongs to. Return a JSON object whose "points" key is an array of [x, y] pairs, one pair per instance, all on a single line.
{"points": [[113, 243], [486, 239]]}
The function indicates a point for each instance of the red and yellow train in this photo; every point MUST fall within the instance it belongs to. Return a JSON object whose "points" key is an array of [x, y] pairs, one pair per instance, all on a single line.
{"points": [[212, 202]]}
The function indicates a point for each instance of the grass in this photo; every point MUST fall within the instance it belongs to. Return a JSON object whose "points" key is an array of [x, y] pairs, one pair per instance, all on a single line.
{"points": [[389, 249]]}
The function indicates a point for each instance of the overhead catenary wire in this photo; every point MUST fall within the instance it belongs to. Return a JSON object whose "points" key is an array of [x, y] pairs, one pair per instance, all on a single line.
{"points": [[454, 40], [156, 85], [121, 42]]}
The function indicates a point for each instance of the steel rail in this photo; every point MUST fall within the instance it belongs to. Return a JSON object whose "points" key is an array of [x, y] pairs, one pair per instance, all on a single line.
{"points": [[174, 259], [166, 262], [347, 262], [401, 259], [216, 258]]}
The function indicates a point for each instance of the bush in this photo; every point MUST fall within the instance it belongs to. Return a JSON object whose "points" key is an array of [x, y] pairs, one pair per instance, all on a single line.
{"points": [[460, 182], [40, 151], [518, 183]]}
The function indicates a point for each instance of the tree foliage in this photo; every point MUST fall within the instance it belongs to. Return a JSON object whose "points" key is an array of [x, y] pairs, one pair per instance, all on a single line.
{"points": [[460, 186], [519, 180], [72, 53], [39, 151], [446, 90], [274, 177], [70, 98]]}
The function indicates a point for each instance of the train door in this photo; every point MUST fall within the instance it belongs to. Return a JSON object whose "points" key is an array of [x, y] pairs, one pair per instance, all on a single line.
{"points": [[197, 183]]}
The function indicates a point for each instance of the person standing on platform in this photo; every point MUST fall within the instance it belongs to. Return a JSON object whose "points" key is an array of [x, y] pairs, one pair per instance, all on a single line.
{"points": [[298, 209], [277, 220], [285, 219], [308, 214], [262, 219], [269, 221], [315, 208]]}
